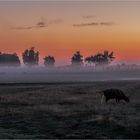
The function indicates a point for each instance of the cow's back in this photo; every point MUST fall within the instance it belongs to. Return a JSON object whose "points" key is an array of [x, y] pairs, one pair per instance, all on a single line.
{"points": [[113, 93]]}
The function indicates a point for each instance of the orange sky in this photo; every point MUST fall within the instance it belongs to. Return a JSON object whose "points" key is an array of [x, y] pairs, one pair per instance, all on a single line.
{"points": [[119, 33]]}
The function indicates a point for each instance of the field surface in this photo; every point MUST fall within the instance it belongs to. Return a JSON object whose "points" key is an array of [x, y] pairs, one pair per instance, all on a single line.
{"points": [[68, 110]]}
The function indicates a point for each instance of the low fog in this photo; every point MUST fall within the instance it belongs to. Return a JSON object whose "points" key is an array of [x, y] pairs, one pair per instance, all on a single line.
{"points": [[68, 74]]}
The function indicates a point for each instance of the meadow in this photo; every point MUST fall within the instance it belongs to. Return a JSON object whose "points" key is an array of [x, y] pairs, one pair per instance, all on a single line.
{"points": [[68, 110]]}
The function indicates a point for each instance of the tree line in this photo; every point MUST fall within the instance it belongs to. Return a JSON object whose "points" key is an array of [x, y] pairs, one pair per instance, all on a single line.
{"points": [[30, 57]]}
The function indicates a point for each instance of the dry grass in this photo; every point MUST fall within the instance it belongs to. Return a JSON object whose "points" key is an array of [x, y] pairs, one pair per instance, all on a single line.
{"points": [[68, 111]]}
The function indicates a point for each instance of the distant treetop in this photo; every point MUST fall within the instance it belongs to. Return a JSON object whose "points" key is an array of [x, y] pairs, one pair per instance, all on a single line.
{"points": [[9, 59], [104, 58], [30, 57], [77, 59], [49, 61]]}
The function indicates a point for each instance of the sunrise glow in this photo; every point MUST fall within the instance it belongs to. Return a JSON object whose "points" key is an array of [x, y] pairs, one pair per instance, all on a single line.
{"points": [[61, 28]]}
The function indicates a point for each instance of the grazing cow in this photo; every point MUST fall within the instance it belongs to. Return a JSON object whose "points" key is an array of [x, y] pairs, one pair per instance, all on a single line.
{"points": [[114, 94]]}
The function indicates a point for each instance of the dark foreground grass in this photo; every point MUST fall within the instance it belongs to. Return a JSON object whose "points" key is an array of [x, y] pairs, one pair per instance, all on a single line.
{"points": [[71, 110]]}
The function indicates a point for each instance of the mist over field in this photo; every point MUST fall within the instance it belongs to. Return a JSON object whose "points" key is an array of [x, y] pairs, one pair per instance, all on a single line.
{"points": [[66, 74]]}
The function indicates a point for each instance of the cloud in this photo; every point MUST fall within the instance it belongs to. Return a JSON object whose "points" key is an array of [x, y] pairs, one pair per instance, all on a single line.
{"points": [[40, 24], [55, 21], [107, 23], [88, 17], [94, 24], [22, 28], [86, 24]]}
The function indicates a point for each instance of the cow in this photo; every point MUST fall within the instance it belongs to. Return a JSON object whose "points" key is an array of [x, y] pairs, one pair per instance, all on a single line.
{"points": [[116, 94]]}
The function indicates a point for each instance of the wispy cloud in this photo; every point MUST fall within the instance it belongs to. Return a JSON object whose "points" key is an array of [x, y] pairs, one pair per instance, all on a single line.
{"points": [[55, 21], [108, 23], [94, 24], [40, 24], [88, 16], [86, 24], [22, 28]]}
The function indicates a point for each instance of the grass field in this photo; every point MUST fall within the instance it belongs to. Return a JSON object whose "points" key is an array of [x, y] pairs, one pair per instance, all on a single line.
{"points": [[68, 110]]}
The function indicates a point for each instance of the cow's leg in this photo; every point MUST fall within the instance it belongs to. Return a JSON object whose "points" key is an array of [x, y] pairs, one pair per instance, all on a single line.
{"points": [[117, 100], [102, 99], [106, 100]]}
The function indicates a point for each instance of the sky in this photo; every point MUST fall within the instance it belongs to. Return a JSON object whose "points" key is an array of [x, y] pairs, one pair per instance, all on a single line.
{"points": [[59, 28]]}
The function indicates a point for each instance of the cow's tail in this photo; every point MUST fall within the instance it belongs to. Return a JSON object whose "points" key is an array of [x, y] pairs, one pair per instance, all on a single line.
{"points": [[102, 99]]}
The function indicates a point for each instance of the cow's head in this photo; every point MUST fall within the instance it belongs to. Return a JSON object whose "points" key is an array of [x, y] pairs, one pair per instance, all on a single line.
{"points": [[126, 99]]}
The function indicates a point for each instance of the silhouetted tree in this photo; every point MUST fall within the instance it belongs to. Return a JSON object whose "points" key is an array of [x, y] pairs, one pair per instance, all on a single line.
{"points": [[108, 57], [90, 60], [100, 58], [77, 59], [9, 59], [37, 57], [49, 61], [30, 57], [25, 56]]}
